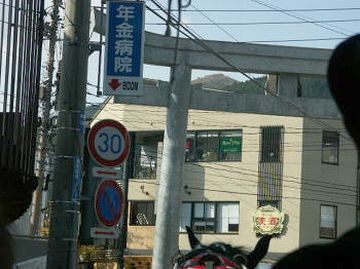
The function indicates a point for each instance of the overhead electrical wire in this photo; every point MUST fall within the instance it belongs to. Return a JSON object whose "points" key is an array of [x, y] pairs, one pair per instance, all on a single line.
{"points": [[268, 10], [299, 180], [254, 194], [303, 18], [195, 38], [301, 198], [238, 181], [259, 10], [258, 41], [295, 40], [262, 22], [301, 131], [217, 25]]}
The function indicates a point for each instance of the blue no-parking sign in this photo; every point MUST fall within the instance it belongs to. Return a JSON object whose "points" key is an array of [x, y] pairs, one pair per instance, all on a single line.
{"points": [[124, 48], [109, 203]]}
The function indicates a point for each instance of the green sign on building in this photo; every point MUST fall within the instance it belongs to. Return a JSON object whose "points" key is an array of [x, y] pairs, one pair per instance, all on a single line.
{"points": [[230, 144]]}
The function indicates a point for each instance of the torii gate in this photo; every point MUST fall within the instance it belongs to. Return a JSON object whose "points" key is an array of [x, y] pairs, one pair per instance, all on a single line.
{"points": [[286, 62]]}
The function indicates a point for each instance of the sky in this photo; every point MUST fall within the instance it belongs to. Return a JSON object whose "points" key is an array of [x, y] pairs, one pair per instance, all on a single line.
{"points": [[306, 23]]}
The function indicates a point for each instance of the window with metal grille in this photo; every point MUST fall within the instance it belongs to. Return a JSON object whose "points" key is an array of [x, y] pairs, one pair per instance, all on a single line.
{"points": [[328, 221], [330, 147], [142, 213], [145, 161], [207, 146], [271, 166], [271, 144]]}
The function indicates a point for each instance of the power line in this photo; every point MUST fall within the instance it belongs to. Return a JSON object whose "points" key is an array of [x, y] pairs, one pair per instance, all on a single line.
{"points": [[303, 18], [231, 126], [262, 22], [295, 40], [217, 25], [253, 194], [268, 10], [256, 151], [194, 37], [237, 170], [318, 183]]}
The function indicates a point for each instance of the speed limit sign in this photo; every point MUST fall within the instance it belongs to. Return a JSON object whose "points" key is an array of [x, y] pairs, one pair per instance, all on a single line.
{"points": [[108, 143]]}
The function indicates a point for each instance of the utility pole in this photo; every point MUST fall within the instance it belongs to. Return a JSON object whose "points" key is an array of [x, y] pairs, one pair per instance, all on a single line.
{"points": [[169, 197], [65, 206], [45, 123], [127, 174]]}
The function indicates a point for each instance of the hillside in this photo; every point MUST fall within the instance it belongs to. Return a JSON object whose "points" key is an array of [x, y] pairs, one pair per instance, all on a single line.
{"points": [[216, 81], [223, 82], [248, 86]]}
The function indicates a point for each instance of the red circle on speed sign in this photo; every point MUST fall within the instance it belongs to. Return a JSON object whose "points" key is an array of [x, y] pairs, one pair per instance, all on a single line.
{"points": [[108, 143]]}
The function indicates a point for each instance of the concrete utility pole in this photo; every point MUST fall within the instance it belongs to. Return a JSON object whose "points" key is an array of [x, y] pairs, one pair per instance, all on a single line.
{"points": [[128, 172], [168, 218], [64, 223], [45, 123]]}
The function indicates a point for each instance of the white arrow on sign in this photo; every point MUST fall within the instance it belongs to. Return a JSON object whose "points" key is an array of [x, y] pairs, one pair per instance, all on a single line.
{"points": [[105, 172], [106, 233]]}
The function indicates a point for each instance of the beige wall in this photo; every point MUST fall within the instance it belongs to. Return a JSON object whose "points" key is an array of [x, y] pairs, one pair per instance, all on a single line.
{"points": [[332, 181], [225, 181], [237, 181], [140, 237]]}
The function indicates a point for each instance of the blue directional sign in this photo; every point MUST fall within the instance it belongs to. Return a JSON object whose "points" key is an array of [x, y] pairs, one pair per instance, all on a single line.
{"points": [[124, 48], [109, 203]]}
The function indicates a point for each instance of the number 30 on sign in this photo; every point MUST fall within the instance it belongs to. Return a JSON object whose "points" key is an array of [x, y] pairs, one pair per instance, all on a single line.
{"points": [[108, 143]]}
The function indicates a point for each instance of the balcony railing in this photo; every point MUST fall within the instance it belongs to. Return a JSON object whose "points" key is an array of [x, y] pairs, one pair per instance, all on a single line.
{"points": [[145, 167]]}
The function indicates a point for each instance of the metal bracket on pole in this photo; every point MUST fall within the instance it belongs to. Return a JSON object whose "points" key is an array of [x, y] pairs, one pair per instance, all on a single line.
{"points": [[94, 46]]}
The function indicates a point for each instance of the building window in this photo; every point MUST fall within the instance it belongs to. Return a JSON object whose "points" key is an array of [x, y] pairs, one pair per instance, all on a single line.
{"points": [[210, 217], [207, 146], [328, 221], [185, 219], [142, 213], [271, 166], [227, 217], [271, 144], [145, 161], [330, 147], [203, 217]]}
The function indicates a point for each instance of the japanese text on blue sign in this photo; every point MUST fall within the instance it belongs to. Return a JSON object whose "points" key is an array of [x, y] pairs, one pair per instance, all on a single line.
{"points": [[124, 36]]}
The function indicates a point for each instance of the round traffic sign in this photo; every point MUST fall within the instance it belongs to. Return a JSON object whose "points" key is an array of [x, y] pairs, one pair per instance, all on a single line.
{"points": [[108, 143], [109, 203]]}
